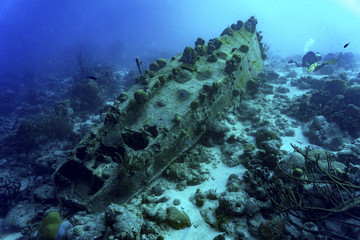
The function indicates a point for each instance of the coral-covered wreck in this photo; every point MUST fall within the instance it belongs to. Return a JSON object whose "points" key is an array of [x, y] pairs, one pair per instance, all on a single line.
{"points": [[160, 117]]}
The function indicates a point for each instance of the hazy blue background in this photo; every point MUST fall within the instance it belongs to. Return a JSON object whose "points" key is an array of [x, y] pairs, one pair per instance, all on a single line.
{"points": [[43, 35]]}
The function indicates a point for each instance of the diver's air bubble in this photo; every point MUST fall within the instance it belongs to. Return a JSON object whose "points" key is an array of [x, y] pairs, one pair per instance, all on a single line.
{"points": [[308, 44]]}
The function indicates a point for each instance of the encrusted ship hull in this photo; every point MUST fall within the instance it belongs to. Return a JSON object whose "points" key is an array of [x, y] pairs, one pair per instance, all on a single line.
{"points": [[159, 118]]}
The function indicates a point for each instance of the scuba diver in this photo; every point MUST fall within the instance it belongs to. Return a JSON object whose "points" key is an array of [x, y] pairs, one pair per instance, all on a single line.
{"points": [[310, 58], [312, 61]]}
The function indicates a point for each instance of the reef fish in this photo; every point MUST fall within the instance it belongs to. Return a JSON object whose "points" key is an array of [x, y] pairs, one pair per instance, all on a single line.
{"points": [[91, 77], [188, 143], [346, 45]]}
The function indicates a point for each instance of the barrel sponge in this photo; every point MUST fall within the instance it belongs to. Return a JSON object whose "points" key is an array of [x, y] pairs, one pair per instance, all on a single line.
{"points": [[141, 96], [250, 24], [154, 66], [50, 226], [244, 48], [162, 62], [199, 41], [189, 56]]}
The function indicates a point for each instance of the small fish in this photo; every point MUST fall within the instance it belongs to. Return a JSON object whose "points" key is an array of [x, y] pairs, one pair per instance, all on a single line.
{"points": [[346, 45], [91, 77], [188, 143]]}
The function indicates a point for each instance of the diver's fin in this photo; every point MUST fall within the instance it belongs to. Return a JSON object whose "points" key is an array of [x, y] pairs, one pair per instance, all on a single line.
{"points": [[316, 66], [332, 61], [312, 67]]}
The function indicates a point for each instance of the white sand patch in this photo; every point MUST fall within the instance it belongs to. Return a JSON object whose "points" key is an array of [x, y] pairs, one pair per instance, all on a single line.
{"points": [[302, 72], [298, 139], [294, 91], [12, 236], [237, 128], [200, 229]]}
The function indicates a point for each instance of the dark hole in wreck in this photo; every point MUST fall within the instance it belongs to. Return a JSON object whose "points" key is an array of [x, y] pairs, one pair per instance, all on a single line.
{"points": [[135, 140], [78, 181]]}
